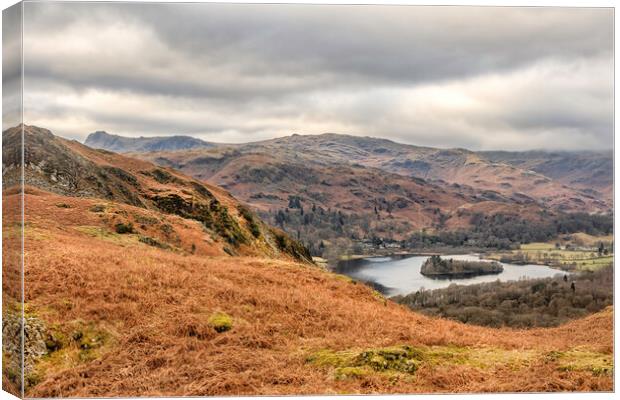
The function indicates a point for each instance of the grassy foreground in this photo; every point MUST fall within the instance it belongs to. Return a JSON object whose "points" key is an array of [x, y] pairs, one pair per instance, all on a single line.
{"points": [[127, 318]]}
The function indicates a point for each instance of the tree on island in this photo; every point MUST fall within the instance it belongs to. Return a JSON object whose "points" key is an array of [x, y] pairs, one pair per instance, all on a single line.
{"points": [[436, 267]]}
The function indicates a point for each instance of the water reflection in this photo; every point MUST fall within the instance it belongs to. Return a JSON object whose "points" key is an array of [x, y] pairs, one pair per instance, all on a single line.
{"points": [[401, 275]]}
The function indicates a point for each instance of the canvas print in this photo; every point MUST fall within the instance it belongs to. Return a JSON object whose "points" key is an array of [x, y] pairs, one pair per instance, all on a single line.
{"points": [[206, 199]]}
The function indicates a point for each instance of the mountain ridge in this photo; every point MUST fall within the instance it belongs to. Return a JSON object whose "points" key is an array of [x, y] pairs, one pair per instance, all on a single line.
{"points": [[95, 136], [569, 185], [333, 188], [118, 143]]}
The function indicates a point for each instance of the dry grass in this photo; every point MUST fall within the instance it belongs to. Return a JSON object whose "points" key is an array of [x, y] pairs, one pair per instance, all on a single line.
{"points": [[154, 305]]}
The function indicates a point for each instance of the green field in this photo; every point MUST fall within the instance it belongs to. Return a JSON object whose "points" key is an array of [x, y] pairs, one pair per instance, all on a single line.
{"points": [[538, 246], [547, 254]]}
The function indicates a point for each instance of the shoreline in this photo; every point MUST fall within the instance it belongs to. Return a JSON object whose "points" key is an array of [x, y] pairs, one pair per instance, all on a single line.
{"points": [[415, 252]]}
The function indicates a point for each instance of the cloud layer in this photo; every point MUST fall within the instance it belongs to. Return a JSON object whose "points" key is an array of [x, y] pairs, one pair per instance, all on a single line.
{"points": [[481, 78]]}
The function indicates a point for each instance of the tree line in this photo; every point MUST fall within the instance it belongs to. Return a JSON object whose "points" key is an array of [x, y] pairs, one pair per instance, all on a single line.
{"points": [[523, 303], [505, 231], [327, 231]]}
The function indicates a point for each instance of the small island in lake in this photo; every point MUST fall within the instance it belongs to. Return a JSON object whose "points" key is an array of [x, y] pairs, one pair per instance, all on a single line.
{"points": [[437, 268]]}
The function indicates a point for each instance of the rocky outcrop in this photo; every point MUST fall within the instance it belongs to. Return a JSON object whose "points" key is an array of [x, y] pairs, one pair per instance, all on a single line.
{"points": [[32, 338]]}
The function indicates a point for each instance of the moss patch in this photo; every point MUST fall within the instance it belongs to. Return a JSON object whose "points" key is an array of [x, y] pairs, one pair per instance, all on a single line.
{"points": [[104, 234], [344, 278], [355, 364], [71, 344], [221, 321], [582, 360], [405, 360], [351, 372]]}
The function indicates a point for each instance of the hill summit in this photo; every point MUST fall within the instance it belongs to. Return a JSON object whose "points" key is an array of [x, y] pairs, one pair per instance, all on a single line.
{"points": [[68, 168], [121, 144]]}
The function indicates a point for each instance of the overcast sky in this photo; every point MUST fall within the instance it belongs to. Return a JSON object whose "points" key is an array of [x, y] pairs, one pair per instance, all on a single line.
{"points": [[479, 78]]}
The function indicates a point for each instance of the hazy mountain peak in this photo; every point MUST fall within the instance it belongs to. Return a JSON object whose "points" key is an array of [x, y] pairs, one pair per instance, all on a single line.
{"points": [[107, 141]]}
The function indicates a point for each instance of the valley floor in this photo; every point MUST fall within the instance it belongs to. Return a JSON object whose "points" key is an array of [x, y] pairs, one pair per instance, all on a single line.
{"points": [[148, 315]]}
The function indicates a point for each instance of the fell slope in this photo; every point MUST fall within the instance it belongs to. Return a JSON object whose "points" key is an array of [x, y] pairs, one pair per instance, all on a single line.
{"points": [[69, 168], [295, 328]]}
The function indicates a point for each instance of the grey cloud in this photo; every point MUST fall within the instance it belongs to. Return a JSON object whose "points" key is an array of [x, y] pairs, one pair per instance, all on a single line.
{"points": [[265, 70], [11, 66], [387, 43]]}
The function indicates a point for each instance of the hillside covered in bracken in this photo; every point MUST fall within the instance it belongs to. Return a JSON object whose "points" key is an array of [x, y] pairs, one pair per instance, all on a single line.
{"points": [[142, 281]]}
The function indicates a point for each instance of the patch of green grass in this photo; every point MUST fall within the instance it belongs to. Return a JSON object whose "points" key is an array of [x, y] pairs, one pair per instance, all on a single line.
{"points": [[348, 257], [582, 360], [594, 264], [354, 364], [537, 246], [31, 233], [405, 360], [377, 295], [490, 357], [344, 278], [534, 253], [351, 372], [221, 322], [104, 234], [69, 345], [33, 379]]}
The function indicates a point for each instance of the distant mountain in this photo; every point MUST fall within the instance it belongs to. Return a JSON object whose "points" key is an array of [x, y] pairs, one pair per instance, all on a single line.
{"points": [[121, 144], [568, 181], [585, 170], [331, 188], [339, 188], [578, 181]]}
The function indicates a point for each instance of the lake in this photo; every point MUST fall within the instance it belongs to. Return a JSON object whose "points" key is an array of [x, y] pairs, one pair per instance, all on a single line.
{"points": [[401, 274]]}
